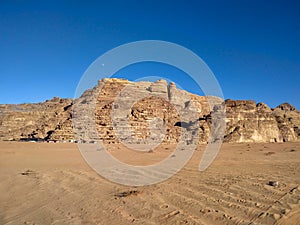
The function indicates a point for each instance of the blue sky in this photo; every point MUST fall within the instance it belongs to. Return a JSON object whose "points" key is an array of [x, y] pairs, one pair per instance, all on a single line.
{"points": [[253, 47]]}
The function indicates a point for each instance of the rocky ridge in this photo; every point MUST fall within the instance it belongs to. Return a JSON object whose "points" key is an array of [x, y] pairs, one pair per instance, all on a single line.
{"points": [[145, 111]]}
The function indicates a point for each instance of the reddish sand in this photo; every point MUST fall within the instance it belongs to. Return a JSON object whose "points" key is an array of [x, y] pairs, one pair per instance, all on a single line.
{"points": [[52, 184]]}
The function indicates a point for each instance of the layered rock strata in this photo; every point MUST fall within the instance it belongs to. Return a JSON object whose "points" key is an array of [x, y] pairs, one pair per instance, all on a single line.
{"points": [[119, 110]]}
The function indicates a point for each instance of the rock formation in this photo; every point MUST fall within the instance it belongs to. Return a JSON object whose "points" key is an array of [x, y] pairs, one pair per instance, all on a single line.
{"points": [[119, 110], [248, 122], [48, 120]]}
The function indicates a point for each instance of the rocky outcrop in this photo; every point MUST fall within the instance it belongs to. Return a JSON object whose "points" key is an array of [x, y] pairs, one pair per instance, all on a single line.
{"points": [[119, 110], [288, 120], [139, 112], [248, 122], [51, 119]]}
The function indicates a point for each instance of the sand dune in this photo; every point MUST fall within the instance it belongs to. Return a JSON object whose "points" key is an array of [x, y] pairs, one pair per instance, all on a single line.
{"points": [[52, 184]]}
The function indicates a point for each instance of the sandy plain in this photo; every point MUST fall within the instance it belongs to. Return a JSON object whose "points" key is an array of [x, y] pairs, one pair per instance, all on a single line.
{"points": [[50, 183]]}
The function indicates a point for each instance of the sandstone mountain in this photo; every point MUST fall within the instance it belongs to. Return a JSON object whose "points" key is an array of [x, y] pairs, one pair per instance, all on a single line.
{"points": [[157, 111]]}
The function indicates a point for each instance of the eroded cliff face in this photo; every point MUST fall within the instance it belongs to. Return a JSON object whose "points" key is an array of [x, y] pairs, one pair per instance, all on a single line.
{"points": [[122, 110], [147, 111], [288, 121], [248, 122], [41, 120]]}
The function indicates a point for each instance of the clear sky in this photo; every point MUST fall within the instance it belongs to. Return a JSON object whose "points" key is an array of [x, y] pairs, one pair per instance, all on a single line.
{"points": [[253, 47]]}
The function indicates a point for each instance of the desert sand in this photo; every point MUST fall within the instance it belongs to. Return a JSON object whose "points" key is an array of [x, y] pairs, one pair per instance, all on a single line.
{"points": [[50, 183]]}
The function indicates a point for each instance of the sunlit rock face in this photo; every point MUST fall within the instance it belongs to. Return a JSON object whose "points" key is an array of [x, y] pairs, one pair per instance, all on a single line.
{"points": [[50, 119], [248, 122], [288, 120], [119, 110]]}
